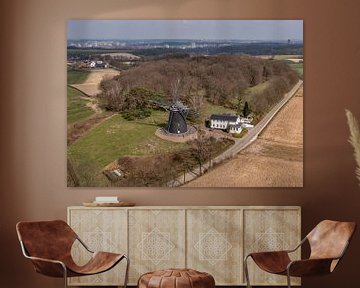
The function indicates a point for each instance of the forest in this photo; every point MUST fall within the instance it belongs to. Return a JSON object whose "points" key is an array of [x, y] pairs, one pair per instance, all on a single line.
{"points": [[220, 80]]}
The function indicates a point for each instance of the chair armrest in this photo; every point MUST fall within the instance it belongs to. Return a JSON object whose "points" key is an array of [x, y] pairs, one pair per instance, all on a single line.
{"points": [[267, 254], [298, 246], [84, 245], [281, 251], [45, 260], [309, 267]]}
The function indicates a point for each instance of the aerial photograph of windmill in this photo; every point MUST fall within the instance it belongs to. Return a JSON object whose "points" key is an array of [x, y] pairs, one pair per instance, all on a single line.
{"points": [[185, 103]]}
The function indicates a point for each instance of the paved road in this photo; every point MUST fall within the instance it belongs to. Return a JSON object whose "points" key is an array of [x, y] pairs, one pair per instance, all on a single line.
{"points": [[242, 143]]}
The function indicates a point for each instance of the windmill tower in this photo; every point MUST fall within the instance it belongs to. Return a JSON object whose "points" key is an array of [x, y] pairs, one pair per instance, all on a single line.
{"points": [[177, 116]]}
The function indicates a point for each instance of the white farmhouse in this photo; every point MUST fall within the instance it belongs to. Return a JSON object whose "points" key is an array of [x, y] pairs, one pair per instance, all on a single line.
{"points": [[230, 123], [98, 64], [92, 64]]}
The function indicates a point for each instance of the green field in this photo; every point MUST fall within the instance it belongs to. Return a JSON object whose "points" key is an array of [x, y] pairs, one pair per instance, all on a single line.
{"points": [[298, 67], [76, 107], [77, 76], [92, 52], [284, 57], [118, 137]]}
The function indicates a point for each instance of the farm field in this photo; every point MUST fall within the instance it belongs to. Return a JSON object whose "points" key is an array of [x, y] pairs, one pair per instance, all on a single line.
{"points": [[77, 109], [77, 76], [281, 57], [285, 57], [90, 85], [275, 159]]}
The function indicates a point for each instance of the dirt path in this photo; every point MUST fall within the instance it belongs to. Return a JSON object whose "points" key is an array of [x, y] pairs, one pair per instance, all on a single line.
{"points": [[93, 104], [275, 159], [91, 86]]}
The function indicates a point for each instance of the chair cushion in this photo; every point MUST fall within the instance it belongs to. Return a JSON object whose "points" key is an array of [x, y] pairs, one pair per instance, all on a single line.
{"points": [[176, 278]]}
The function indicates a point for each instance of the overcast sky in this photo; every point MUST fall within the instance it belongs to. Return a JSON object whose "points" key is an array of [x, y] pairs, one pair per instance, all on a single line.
{"points": [[186, 29]]}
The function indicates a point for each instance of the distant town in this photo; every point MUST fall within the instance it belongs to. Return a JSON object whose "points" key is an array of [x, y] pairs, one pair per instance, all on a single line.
{"points": [[183, 44]]}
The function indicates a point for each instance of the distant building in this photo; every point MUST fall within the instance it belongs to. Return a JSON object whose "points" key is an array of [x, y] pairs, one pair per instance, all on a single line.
{"points": [[235, 129], [230, 123], [98, 64]]}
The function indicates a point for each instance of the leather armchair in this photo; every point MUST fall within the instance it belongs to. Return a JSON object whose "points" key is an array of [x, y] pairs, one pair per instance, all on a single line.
{"points": [[328, 242], [48, 245]]}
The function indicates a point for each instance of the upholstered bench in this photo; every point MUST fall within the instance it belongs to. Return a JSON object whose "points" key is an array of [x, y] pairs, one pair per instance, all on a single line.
{"points": [[176, 278]]}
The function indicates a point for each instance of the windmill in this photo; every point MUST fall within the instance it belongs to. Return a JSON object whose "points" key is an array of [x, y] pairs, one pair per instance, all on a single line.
{"points": [[177, 111], [177, 116]]}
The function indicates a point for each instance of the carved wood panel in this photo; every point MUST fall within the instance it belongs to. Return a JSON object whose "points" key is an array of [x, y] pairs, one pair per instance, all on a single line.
{"points": [[209, 239], [156, 240], [270, 230], [214, 241], [101, 230]]}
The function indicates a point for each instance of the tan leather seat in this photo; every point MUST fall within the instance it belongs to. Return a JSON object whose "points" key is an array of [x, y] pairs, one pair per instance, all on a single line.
{"points": [[328, 242], [176, 278], [48, 245]]}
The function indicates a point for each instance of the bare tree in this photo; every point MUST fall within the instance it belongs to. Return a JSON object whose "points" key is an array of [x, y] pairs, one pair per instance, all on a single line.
{"points": [[196, 102], [176, 88], [200, 151]]}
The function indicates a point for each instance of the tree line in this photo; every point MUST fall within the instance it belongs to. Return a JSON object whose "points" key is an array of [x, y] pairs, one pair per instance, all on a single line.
{"points": [[220, 80]]}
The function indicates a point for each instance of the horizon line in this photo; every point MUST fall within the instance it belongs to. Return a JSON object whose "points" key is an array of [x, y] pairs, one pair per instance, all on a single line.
{"points": [[202, 39]]}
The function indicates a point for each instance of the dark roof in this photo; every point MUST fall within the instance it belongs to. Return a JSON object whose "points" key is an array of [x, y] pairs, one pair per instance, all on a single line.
{"points": [[224, 117]]}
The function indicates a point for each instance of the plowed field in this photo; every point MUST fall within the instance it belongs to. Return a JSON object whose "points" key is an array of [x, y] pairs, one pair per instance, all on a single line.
{"points": [[275, 159]]}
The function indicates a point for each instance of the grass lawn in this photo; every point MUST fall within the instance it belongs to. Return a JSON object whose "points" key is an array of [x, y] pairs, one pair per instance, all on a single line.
{"points": [[76, 107], [118, 137], [298, 67], [76, 77]]}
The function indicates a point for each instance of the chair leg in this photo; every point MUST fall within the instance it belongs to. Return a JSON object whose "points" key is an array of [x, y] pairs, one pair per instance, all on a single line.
{"points": [[246, 270], [65, 276], [288, 278], [127, 271]]}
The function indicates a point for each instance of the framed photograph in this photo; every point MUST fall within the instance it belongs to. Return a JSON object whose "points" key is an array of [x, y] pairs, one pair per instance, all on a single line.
{"points": [[185, 103]]}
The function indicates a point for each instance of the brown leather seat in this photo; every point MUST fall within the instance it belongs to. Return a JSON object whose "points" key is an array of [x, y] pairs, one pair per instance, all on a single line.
{"points": [[328, 242], [48, 245], [176, 278]]}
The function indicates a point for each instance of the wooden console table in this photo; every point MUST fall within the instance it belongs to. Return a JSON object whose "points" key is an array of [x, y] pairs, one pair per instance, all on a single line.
{"points": [[210, 239]]}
